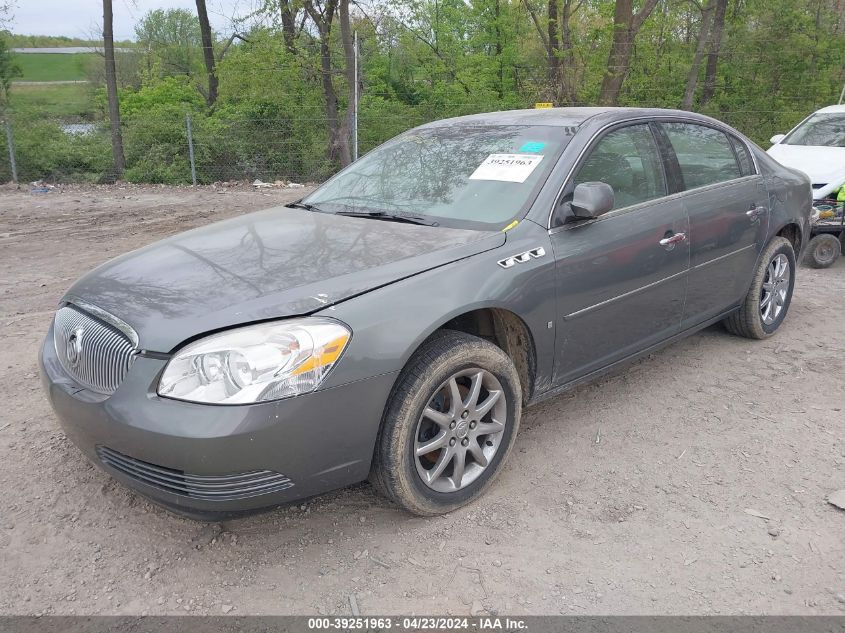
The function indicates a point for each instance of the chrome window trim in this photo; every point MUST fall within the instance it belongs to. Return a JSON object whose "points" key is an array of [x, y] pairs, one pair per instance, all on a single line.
{"points": [[721, 183], [107, 317], [647, 119]]}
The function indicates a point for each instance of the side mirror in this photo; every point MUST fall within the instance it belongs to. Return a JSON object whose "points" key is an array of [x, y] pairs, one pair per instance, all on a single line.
{"points": [[777, 138], [591, 199]]}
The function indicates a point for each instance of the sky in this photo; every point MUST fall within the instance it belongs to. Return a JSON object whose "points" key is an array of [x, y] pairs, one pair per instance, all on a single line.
{"points": [[83, 18]]}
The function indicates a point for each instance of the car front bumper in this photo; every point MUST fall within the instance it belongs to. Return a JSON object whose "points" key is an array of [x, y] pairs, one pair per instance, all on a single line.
{"points": [[211, 460]]}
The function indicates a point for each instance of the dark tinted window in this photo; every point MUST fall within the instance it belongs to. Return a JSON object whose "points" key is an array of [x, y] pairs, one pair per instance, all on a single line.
{"points": [[746, 165], [704, 154], [628, 160]]}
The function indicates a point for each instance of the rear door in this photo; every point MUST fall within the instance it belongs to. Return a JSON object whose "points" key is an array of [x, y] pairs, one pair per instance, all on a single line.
{"points": [[619, 288], [726, 201]]}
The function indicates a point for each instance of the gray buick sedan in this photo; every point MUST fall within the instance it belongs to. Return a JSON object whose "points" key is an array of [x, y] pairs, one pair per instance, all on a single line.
{"points": [[393, 324]]}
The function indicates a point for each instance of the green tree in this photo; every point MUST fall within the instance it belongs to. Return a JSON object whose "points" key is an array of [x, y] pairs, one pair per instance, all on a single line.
{"points": [[171, 42], [8, 70]]}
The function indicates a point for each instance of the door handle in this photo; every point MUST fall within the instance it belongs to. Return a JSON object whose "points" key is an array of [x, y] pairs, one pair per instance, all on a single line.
{"points": [[669, 242], [755, 212]]}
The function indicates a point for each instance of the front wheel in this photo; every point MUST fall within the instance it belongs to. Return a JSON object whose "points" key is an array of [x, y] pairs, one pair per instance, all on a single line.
{"points": [[449, 424], [767, 302]]}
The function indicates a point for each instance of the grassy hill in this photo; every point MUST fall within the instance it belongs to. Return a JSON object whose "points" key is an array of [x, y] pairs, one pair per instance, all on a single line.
{"points": [[53, 66], [16, 40]]}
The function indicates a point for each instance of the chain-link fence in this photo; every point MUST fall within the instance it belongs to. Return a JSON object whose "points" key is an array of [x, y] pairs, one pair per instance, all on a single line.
{"points": [[174, 147]]}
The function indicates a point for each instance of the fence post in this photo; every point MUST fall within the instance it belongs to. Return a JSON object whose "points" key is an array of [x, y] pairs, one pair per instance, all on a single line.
{"points": [[191, 149], [11, 145]]}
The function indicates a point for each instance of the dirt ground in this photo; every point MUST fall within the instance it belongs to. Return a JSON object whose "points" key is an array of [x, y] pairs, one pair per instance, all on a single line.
{"points": [[637, 494]]}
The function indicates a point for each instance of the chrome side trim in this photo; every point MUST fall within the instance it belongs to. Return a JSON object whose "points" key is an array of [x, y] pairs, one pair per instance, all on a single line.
{"points": [[595, 306], [109, 318], [721, 257]]}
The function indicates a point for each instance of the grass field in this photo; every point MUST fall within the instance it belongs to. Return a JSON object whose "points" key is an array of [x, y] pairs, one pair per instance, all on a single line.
{"points": [[53, 66], [65, 101]]}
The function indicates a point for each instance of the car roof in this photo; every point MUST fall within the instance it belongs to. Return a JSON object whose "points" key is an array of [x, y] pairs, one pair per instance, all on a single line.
{"points": [[833, 108], [557, 117]]}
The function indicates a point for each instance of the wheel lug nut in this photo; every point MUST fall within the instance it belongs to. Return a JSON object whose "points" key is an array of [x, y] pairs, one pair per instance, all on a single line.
{"points": [[464, 415], [452, 425], [452, 442], [472, 424], [465, 442]]}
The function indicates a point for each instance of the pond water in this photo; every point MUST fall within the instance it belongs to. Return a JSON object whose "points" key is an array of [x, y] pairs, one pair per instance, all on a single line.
{"points": [[78, 128]]}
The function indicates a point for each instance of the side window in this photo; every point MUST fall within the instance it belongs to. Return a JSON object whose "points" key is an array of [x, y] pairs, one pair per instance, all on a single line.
{"points": [[746, 165], [628, 160], [704, 154]]}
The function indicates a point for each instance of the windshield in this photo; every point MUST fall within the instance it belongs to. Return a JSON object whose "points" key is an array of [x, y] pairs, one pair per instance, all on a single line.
{"points": [[821, 129], [479, 177]]}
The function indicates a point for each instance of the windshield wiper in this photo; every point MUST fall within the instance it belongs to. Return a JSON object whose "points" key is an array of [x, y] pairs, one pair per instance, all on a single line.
{"points": [[378, 215], [303, 205], [389, 217]]}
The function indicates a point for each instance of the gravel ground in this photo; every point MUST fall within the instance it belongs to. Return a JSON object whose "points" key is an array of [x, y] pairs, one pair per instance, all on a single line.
{"points": [[642, 493]]}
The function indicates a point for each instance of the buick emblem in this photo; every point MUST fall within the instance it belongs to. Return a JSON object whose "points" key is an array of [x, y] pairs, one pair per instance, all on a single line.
{"points": [[73, 348], [462, 429]]}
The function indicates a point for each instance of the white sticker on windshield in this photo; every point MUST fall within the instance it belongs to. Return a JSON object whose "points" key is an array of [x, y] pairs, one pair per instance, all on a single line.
{"points": [[507, 167]]}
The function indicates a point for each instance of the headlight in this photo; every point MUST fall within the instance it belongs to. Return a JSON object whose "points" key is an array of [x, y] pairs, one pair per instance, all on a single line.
{"points": [[255, 363]]}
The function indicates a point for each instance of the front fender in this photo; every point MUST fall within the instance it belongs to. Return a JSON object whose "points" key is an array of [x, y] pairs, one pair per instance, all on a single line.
{"points": [[390, 323]]}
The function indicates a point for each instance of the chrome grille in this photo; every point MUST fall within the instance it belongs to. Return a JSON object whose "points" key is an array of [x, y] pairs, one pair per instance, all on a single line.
{"points": [[206, 487], [94, 353]]}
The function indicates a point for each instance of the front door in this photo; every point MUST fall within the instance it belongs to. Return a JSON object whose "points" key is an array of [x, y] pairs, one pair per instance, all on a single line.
{"points": [[621, 278], [726, 201]]}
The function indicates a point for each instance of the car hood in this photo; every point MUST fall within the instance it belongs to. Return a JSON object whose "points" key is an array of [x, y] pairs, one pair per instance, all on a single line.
{"points": [[824, 165], [275, 263]]}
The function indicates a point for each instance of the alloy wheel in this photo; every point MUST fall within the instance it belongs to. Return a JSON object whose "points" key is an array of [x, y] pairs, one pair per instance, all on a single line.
{"points": [[460, 430], [775, 289]]}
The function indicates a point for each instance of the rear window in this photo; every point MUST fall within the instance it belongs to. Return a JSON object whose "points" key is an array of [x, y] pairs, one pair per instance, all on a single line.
{"points": [[705, 154], [746, 165]]}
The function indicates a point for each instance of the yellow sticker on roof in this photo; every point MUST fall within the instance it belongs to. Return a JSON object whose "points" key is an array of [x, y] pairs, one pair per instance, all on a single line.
{"points": [[507, 167]]}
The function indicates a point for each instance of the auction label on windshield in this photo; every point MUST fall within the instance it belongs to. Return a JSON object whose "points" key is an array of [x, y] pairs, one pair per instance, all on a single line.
{"points": [[507, 167]]}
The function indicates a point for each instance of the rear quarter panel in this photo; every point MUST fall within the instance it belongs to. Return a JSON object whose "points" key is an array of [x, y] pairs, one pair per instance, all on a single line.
{"points": [[790, 197]]}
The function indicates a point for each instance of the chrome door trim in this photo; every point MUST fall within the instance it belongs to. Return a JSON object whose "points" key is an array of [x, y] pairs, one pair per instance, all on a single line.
{"points": [[721, 257], [582, 311]]}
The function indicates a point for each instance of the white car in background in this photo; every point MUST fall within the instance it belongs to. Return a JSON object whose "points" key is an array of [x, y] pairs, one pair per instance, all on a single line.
{"points": [[816, 146]]}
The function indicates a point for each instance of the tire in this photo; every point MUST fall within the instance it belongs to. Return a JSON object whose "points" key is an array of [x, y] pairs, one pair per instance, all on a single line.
{"points": [[822, 251], [752, 320], [429, 484]]}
